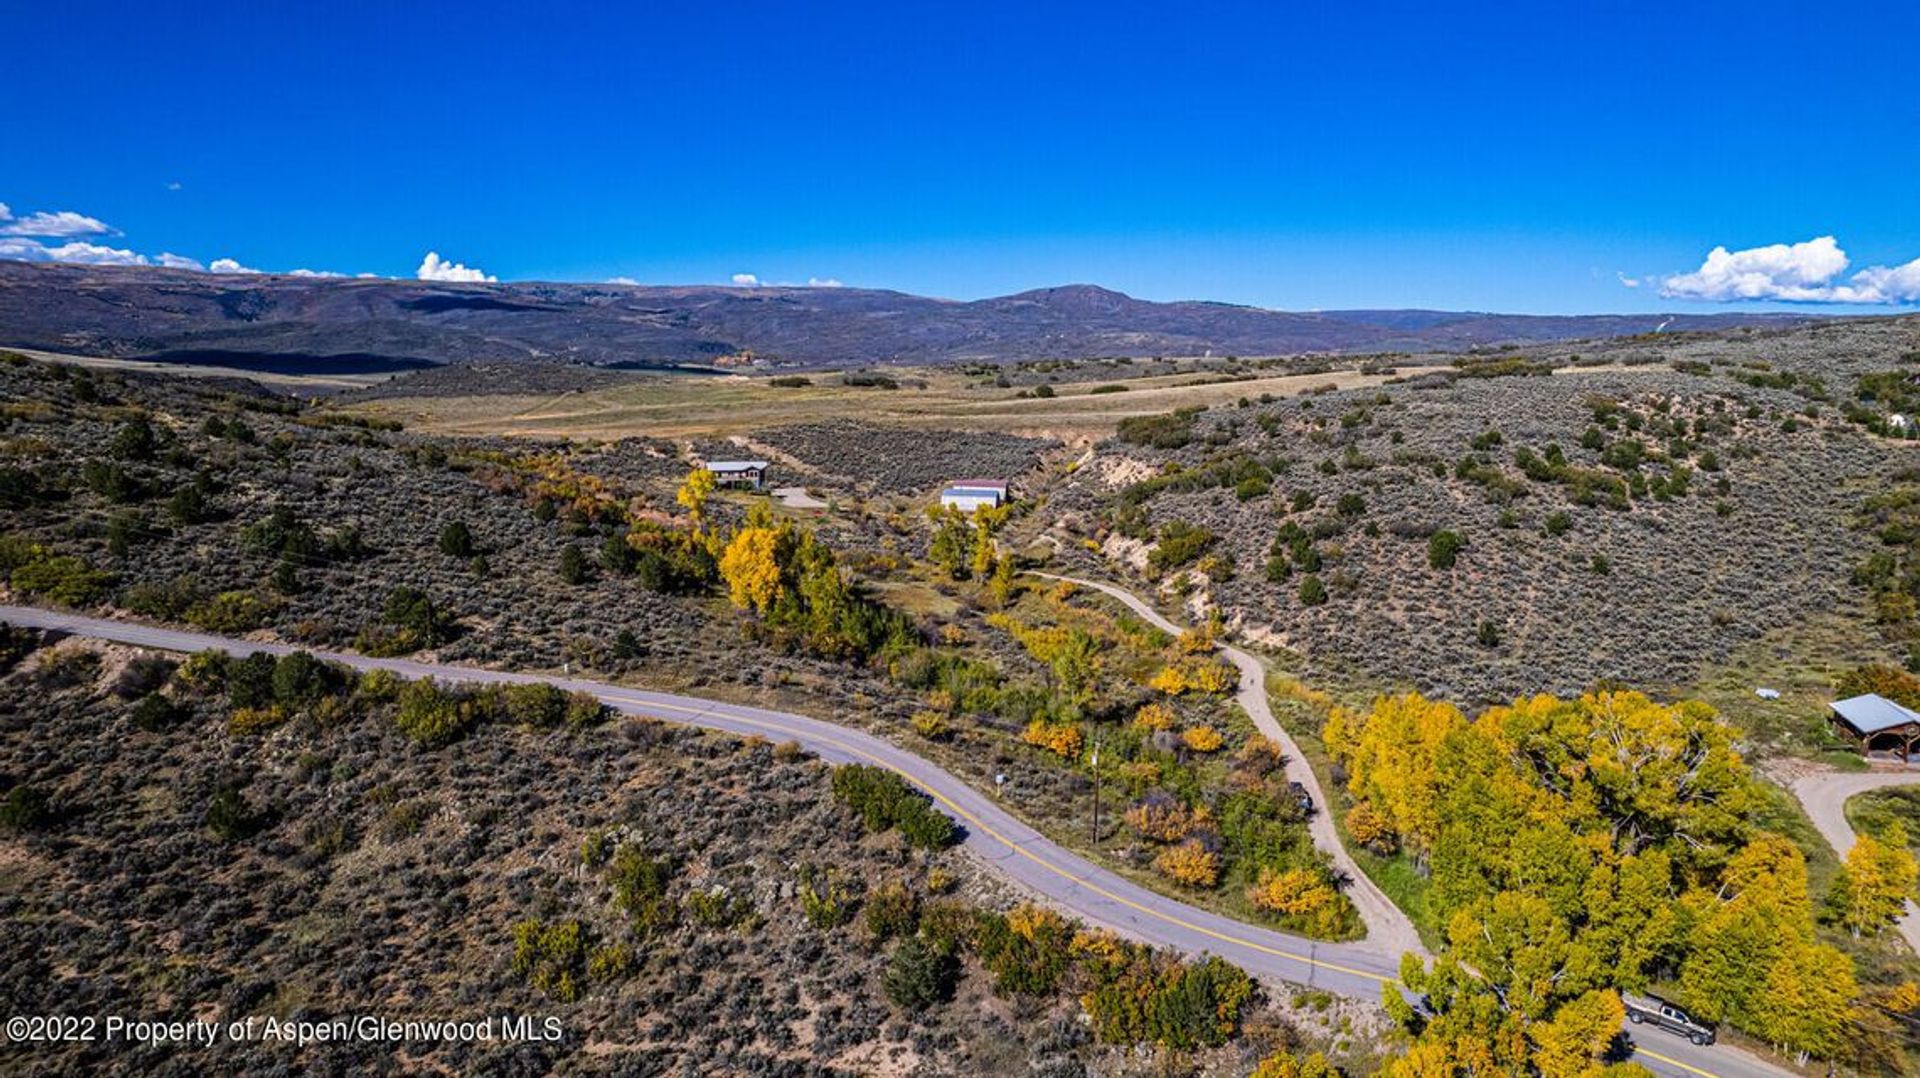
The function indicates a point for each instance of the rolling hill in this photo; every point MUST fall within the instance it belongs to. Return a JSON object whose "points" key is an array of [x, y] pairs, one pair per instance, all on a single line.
{"points": [[258, 321]]}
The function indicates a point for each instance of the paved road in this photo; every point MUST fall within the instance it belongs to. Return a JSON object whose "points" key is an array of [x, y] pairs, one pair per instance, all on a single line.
{"points": [[1824, 795], [1065, 881], [1388, 928]]}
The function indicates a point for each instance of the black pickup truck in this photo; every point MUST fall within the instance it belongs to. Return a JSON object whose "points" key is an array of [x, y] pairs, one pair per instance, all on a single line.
{"points": [[1667, 1016]]}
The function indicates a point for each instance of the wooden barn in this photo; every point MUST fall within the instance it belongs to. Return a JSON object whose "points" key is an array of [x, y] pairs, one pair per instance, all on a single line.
{"points": [[1877, 725]]}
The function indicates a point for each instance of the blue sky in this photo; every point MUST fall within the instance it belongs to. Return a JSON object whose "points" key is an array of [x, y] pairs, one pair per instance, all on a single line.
{"points": [[1336, 155]]}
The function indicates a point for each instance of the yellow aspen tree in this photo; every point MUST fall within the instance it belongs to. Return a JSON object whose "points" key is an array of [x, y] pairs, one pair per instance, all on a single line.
{"points": [[751, 569], [693, 494], [1876, 882]]}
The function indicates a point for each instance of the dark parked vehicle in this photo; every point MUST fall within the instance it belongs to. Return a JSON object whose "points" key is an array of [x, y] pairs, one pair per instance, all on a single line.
{"points": [[1667, 1016], [1300, 796]]}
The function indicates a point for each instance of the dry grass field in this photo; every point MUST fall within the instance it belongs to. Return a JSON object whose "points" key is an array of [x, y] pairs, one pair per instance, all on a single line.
{"points": [[680, 406]]}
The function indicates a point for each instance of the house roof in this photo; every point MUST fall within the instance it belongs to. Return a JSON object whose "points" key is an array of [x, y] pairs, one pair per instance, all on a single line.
{"points": [[736, 465], [1873, 713], [971, 492]]}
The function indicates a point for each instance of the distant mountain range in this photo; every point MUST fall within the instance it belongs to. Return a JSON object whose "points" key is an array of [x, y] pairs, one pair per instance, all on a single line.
{"points": [[301, 323]]}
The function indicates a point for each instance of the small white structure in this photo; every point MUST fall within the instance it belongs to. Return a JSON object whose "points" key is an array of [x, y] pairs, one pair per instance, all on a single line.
{"points": [[738, 473], [967, 495]]}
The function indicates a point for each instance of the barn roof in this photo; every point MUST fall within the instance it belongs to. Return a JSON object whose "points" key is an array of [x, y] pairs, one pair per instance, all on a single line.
{"points": [[736, 465], [1873, 713]]}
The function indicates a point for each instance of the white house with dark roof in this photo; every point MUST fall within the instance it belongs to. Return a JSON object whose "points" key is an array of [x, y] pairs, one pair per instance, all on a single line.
{"points": [[751, 474], [1877, 724], [967, 495]]}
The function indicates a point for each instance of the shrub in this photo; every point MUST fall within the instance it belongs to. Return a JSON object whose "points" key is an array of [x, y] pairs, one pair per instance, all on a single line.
{"points": [[155, 713], [824, 898], [585, 709], [932, 725], [231, 817], [1139, 996], [300, 680], [430, 715], [1063, 739], [892, 910], [1312, 591], [536, 705], [1161, 817], [1203, 739], [66, 580], [1028, 950], [1189, 864], [640, 887], [230, 612], [247, 721], [1443, 548], [1170, 431], [456, 540], [410, 620], [552, 958], [1303, 898], [884, 801], [1153, 717], [1171, 680], [189, 506], [919, 975], [1180, 544], [26, 808], [573, 565]]}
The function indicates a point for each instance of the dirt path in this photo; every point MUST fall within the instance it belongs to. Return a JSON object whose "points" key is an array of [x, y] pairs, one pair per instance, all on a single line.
{"points": [[1824, 795], [1387, 926]]}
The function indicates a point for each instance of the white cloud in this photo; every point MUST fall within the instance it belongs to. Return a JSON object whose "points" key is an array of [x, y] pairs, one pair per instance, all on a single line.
{"points": [[746, 280], [173, 185], [1892, 284], [23, 251], [313, 273], [1808, 272], [823, 282], [95, 254], [61, 224], [432, 268], [26, 250], [174, 261], [623, 280], [228, 265], [1630, 282]]}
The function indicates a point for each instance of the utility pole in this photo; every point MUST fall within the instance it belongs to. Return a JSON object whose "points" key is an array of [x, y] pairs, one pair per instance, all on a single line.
{"points": [[1095, 760]]}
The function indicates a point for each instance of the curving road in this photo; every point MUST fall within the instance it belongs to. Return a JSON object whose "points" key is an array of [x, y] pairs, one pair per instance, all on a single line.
{"points": [[1825, 794], [1388, 927], [1065, 881]]}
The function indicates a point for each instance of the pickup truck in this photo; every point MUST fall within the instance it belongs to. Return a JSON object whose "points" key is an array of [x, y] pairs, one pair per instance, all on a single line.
{"points": [[1667, 1016]]}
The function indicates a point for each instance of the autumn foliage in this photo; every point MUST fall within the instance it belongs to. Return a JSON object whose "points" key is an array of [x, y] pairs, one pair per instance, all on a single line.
{"points": [[1189, 864], [1060, 738], [1582, 846]]}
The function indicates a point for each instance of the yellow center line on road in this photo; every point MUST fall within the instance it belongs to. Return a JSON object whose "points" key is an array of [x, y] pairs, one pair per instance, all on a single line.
{"points": [[976, 822], [614, 694], [1020, 849], [1671, 1062]]}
